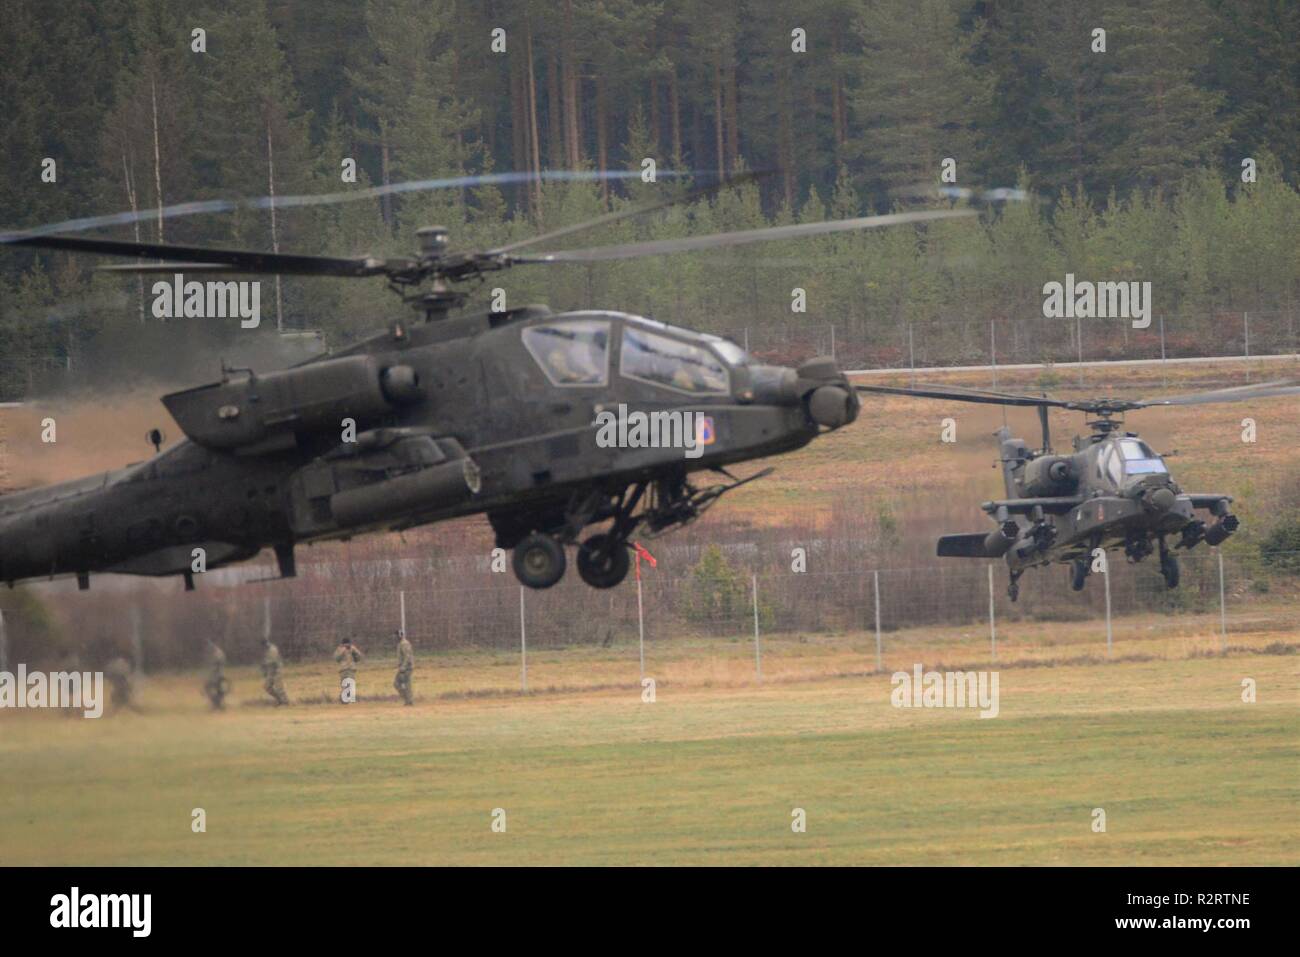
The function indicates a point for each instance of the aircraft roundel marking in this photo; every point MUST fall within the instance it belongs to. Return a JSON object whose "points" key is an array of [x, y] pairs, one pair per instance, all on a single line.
{"points": [[705, 433]]}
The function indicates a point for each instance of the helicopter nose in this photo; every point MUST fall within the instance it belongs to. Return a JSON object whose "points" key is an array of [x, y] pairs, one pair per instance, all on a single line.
{"points": [[832, 406], [818, 385], [832, 402], [1162, 499], [1156, 499]]}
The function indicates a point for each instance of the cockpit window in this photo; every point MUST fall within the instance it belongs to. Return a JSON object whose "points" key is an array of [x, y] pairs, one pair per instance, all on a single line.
{"points": [[575, 352], [731, 352], [1139, 459], [670, 363], [1110, 466]]}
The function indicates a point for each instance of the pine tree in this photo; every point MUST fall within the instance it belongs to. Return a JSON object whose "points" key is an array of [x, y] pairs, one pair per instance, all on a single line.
{"points": [[406, 93], [1170, 122], [917, 95], [1256, 63]]}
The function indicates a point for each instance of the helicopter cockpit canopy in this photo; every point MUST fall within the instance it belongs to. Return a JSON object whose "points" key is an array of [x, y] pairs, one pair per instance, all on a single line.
{"points": [[574, 350], [731, 353], [571, 352], [1139, 459], [671, 363], [1127, 458]]}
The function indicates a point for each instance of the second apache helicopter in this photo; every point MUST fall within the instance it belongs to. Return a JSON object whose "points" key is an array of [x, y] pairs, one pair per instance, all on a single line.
{"points": [[462, 414], [1114, 491]]}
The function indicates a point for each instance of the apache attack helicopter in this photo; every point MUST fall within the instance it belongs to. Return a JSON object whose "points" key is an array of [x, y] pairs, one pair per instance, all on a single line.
{"points": [[1113, 492], [470, 413]]}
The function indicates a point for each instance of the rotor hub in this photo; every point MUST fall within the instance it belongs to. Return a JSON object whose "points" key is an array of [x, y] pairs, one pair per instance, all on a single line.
{"points": [[433, 241]]}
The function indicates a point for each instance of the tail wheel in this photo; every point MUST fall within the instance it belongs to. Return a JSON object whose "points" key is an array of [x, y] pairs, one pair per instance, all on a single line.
{"points": [[603, 563], [539, 561], [1078, 574]]}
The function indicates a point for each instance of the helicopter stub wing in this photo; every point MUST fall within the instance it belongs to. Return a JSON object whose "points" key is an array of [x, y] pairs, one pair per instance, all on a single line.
{"points": [[1208, 500], [967, 545], [1023, 506]]}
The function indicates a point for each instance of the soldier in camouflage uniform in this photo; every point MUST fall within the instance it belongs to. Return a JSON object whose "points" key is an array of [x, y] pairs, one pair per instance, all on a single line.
{"points": [[405, 668], [216, 687], [118, 674], [271, 665], [348, 656], [70, 663]]}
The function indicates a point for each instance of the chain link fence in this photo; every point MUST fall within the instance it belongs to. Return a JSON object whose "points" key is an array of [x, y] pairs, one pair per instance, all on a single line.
{"points": [[1019, 339], [718, 622]]}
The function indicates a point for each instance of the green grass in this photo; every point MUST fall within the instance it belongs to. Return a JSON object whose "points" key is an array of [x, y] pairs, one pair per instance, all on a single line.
{"points": [[1186, 773]]}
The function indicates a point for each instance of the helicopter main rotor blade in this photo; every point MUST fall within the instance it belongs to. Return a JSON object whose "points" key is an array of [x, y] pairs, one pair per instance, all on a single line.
{"points": [[689, 197], [233, 260], [687, 243], [165, 267], [1241, 393], [210, 206], [928, 191], [958, 394], [1263, 390]]}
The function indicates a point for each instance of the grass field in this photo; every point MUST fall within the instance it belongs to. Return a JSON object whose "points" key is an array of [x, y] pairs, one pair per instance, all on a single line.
{"points": [[708, 773], [1157, 736]]}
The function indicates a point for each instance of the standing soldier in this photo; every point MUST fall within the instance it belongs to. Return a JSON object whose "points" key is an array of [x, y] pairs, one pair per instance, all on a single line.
{"points": [[405, 667], [71, 663], [217, 687], [348, 656], [271, 665], [118, 673]]}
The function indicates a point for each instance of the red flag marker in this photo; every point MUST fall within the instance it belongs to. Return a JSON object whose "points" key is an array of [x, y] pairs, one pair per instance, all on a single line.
{"points": [[643, 552]]}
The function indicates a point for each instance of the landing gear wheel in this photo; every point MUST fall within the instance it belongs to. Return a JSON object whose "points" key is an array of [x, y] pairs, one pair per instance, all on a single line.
{"points": [[1078, 574], [1013, 589], [1169, 569], [539, 561], [603, 571]]}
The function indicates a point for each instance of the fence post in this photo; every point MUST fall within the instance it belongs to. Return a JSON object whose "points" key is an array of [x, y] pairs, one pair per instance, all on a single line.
{"points": [[523, 644], [876, 578], [401, 597], [911, 355], [1163, 359], [640, 620], [758, 655], [993, 627], [993, 352], [1245, 321], [1106, 577], [1078, 344], [1223, 607]]}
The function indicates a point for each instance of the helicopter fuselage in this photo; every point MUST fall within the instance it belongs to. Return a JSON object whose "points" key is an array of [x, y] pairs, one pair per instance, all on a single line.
{"points": [[488, 413], [1113, 492]]}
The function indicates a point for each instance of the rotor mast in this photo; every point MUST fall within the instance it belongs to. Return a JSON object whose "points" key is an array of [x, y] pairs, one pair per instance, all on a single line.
{"points": [[439, 299]]}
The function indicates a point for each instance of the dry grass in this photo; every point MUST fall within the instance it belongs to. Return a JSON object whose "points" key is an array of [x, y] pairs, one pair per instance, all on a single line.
{"points": [[1187, 773]]}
